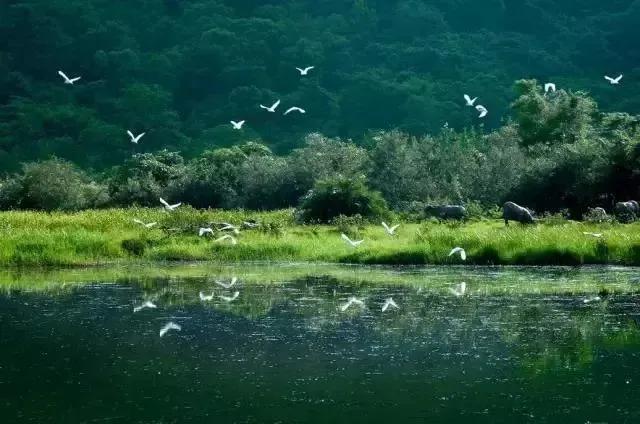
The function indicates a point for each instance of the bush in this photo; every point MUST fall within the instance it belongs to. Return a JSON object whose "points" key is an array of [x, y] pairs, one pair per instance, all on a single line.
{"points": [[135, 247], [333, 197]]}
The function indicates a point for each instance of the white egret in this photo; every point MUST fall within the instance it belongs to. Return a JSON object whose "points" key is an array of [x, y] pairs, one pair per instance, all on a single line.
{"points": [[613, 81], [237, 125], [168, 327], [230, 298], [146, 225], [147, 304], [351, 242], [460, 250], [390, 230], [295, 109], [549, 87], [206, 298], [469, 100], [204, 231], [135, 138], [68, 80], [169, 207], [592, 299], [305, 71], [483, 111], [596, 235], [389, 303], [352, 301], [273, 107]]}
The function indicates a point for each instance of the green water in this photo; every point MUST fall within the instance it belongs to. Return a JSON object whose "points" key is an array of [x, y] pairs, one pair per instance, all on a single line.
{"points": [[283, 351]]}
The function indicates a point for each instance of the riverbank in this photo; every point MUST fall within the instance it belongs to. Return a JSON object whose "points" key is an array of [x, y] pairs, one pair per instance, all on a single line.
{"points": [[112, 237]]}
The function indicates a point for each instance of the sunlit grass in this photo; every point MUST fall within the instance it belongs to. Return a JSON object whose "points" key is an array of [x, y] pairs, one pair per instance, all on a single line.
{"points": [[96, 237]]}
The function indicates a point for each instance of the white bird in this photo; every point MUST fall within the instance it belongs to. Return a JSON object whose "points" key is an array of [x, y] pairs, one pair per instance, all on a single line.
{"points": [[306, 70], [230, 298], [229, 227], [204, 231], [549, 87], [227, 285], [389, 303], [168, 327], [250, 224], [592, 299], [169, 207], [147, 304], [469, 100], [237, 125], [352, 301], [229, 237], [206, 298], [460, 250], [272, 108], [483, 111], [459, 290], [149, 225], [68, 80], [596, 235], [295, 109], [135, 139], [613, 81], [351, 242], [390, 230]]}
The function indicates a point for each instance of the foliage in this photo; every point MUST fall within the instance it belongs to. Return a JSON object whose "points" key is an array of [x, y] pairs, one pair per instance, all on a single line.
{"points": [[337, 196]]}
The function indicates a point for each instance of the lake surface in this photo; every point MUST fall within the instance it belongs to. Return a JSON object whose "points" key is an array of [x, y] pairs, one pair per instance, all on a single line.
{"points": [[284, 352]]}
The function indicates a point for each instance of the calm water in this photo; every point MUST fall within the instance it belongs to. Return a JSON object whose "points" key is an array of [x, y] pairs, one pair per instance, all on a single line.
{"points": [[284, 352]]}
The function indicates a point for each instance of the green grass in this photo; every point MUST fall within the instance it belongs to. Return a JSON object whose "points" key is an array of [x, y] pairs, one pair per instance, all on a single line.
{"points": [[110, 236]]}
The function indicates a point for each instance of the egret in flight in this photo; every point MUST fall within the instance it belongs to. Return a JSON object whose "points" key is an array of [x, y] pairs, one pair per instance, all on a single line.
{"points": [[351, 242], [68, 80], [389, 303], [230, 298], [305, 71], [169, 207], [295, 109], [145, 225], [613, 81], [272, 108], [227, 285], [469, 100], [352, 301], [135, 138], [237, 125], [483, 111], [147, 304], [460, 250], [168, 327], [390, 230]]}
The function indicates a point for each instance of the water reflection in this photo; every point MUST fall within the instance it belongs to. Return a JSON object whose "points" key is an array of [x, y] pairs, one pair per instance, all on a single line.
{"points": [[284, 351]]}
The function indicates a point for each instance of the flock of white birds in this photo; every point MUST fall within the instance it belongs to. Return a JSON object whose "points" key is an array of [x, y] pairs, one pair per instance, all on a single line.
{"points": [[459, 290]]}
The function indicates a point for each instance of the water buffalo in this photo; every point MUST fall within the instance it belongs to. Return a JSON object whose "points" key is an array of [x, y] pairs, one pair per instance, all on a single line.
{"points": [[455, 212], [513, 212], [597, 214], [627, 211]]}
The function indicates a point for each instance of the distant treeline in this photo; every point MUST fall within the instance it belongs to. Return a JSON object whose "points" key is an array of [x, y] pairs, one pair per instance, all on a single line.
{"points": [[559, 152], [181, 70]]}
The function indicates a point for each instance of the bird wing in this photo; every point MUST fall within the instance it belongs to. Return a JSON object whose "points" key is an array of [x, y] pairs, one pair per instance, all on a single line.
{"points": [[395, 227], [308, 68], [454, 251], [467, 98], [164, 202], [619, 78], [302, 71], [137, 221], [346, 238], [275, 105], [151, 224], [386, 227], [63, 75], [289, 111], [131, 135], [608, 78], [264, 107], [75, 79]]}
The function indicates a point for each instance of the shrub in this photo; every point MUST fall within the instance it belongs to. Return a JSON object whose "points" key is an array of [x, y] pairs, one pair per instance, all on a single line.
{"points": [[333, 197], [135, 247]]}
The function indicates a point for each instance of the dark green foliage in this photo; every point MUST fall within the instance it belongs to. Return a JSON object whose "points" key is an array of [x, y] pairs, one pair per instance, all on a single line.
{"points": [[337, 196], [134, 247]]}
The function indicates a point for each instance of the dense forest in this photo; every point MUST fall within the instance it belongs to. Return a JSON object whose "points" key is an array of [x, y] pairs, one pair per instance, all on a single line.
{"points": [[384, 101]]}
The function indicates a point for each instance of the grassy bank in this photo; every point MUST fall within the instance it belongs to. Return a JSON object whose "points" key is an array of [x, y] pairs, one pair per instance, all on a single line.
{"points": [[111, 236]]}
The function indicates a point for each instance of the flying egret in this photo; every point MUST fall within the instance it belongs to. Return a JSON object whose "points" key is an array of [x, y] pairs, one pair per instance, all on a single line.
{"points": [[469, 100], [230, 227], [230, 298], [147, 304], [68, 80], [483, 111], [389, 303], [227, 285], [460, 250], [305, 71], [295, 109], [459, 290], [250, 224], [204, 231], [237, 125], [596, 235], [613, 81], [549, 87], [229, 237], [206, 298], [351, 242], [272, 108], [168, 327], [145, 225], [135, 138], [390, 230], [352, 301], [169, 207], [592, 299]]}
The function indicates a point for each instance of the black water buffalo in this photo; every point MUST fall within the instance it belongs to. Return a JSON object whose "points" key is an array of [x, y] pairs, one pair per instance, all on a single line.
{"points": [[455, 212], [513, 212], [627, 211]]}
